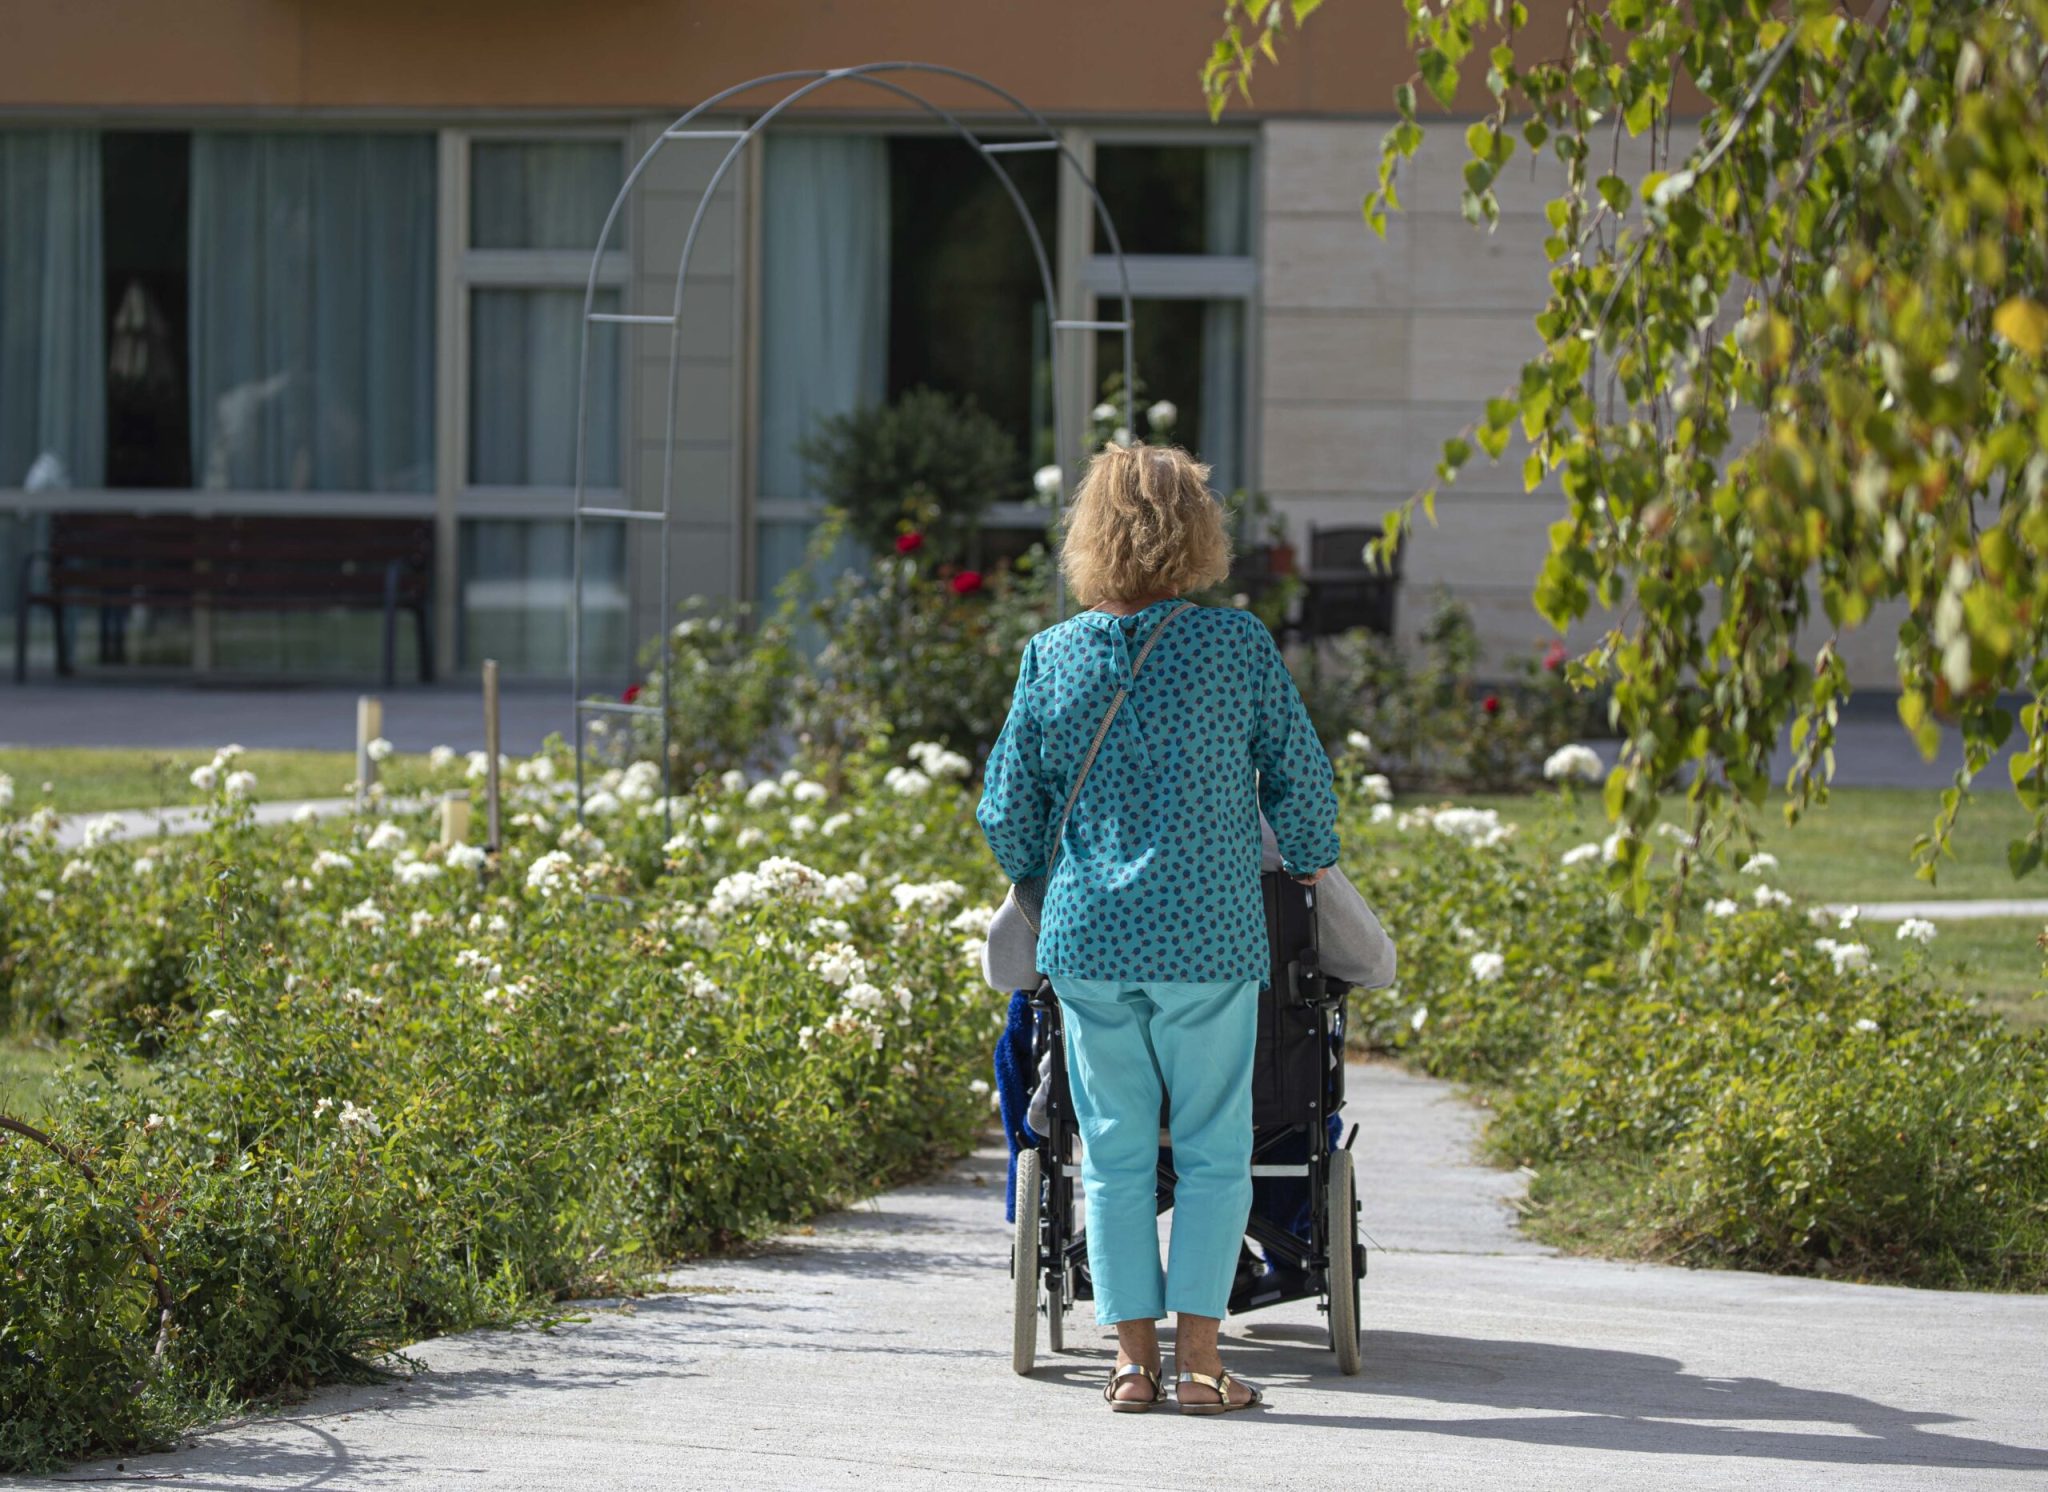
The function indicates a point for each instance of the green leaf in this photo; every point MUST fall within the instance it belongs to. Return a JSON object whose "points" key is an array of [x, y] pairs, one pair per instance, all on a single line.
{"points": [[1613, 191], [1439, 74], [2022, 855]]}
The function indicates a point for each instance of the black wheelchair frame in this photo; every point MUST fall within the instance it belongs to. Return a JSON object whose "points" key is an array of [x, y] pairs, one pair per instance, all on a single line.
{"points": [[1297, 1086]]}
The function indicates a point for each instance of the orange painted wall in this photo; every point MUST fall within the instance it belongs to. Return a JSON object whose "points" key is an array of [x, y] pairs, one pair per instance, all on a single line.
{"points": [[1076, 57]]}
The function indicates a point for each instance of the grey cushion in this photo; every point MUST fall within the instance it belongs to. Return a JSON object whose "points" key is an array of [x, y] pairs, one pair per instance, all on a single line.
{"points": [[1009, 959], [1353, 945]]}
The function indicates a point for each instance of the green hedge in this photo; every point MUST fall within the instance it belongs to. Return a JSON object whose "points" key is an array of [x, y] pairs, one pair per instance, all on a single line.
{"points": [[392, 1097], [1756, 1095]]}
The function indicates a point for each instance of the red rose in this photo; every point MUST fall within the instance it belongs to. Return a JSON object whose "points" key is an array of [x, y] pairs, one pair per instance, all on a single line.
{"points": [[632, 693], [1553, 657], [966, 583], [909, 543], [1490, 704]]}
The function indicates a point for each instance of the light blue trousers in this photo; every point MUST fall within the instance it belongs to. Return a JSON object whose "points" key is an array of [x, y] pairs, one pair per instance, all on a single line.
{"points": [[1127, 1044]]}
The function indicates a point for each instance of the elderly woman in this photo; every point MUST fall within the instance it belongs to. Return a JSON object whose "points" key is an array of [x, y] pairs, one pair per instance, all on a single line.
{"points": [[1153, 931]]}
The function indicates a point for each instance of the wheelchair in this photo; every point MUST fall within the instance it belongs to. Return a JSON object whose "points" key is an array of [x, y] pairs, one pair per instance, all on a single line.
{"points": [[1304, 1215]]}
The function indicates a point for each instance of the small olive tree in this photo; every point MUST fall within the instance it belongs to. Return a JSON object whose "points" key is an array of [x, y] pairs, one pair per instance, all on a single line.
{"points": [[1796, 365]]}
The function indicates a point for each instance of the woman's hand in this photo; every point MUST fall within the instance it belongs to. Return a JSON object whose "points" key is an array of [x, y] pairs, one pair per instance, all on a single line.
{"points": [[1312, 879]]}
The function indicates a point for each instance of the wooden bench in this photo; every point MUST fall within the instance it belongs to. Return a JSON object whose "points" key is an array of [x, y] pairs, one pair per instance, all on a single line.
{"points": [[242, 563]]}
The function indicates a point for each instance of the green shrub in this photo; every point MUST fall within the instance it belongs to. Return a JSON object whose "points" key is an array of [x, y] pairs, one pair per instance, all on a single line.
{"points": [[929, 453], [1753, 1094], [391, 1096]]}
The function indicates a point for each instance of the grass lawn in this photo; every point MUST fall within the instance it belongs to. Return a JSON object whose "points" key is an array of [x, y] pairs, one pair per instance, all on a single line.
{"points": [[92, 780], [1858, 848], [24, 1070]]}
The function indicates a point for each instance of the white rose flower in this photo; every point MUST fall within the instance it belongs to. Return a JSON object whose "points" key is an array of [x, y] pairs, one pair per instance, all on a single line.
{"points": [[1376, 787], [810, 792], [6, 791], [378, 750], [1847, 918], [305, 813], [386, 836], [467, 856], [1579, 854], [1767, 896], [102, 830], [1103, 412], [601, 804], [1420, 1019], [1359, 742], [353, 1118], [1866, 1024], [1162, 414], [801, 824], [206, 778], [551, 873], [1047, 481], [835, 823], [979, 1087], [931, 898], [329, 860], [364, 915], [1917, 930], [764, 792], [413, 872], [1723, 907], [144, 867], [733, 780], [1760, 863], [241, 785], [1487, 966], [441, 758], [1382, 813], [1121, 435], [906, 782], [749, 837], [1573, 764]]}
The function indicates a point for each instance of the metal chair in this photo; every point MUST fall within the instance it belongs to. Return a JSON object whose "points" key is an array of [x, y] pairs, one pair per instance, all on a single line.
{"points": [[1342, 589]]}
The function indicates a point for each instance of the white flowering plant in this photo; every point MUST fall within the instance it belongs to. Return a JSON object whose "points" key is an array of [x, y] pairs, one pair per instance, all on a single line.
{"points": [[392, 1091], [1742, 1092]]}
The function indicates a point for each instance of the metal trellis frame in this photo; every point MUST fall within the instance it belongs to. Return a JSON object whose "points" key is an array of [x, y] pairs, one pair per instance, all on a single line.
{"points": [[884, 76]]}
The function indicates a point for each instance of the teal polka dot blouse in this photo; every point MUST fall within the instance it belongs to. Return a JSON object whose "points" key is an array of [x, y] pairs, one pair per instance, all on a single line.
{"points": [[1158, 878]]}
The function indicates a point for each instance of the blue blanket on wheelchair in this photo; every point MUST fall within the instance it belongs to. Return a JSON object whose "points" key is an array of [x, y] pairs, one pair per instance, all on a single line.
{"points": [[1282, 1199], [1014, 1081]]}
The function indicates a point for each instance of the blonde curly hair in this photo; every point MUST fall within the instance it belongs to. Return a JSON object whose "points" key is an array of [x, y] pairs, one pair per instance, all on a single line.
{"points": [[1143, 525]]}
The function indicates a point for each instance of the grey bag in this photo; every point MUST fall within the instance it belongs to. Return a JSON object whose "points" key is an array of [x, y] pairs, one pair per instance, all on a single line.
{"points": [[1009, 959], [1352, 944]]}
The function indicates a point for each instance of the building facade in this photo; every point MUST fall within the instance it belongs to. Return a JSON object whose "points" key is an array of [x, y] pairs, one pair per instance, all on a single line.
{"points": [[286, 256]]}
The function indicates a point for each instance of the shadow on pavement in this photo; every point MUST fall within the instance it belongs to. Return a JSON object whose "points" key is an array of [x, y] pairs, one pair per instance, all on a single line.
{"points": [[1600, 1399]]}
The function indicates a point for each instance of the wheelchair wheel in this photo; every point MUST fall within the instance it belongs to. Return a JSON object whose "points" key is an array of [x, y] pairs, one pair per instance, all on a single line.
{"points": [[1024, 1266], [1341, 1229]]}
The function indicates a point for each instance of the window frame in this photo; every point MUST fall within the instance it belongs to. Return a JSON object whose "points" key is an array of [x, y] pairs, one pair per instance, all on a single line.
{"points": [[1081, 275]]}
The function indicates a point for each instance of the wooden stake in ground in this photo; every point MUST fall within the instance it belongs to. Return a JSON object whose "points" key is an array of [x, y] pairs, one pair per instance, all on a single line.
{"points": [[491, 755], [369, 726]]}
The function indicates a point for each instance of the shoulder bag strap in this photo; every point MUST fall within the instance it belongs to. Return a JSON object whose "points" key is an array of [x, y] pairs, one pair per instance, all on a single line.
{"points": [[1101, 731]]}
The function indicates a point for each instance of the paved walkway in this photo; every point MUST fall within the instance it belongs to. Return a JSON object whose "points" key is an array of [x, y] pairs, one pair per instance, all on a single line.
{"points": [[873, 1352], [147, 823], [1945, 911]]}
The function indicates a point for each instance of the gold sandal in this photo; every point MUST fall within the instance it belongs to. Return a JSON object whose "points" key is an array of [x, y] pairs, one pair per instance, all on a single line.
{"points": [[1221, 1384], [1132, 1406]]}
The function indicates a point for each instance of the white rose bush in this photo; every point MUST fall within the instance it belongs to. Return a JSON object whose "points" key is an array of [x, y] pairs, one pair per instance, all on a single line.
{"points": [[1746, 1094], [341, 1086]]}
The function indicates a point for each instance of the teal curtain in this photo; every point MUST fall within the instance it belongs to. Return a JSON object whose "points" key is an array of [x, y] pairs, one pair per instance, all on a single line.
{"points": [[53, 376], [824, 312], [312, 311]]}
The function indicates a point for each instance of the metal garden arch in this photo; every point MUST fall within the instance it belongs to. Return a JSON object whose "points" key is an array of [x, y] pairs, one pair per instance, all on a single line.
{"points": [[806, 81]]}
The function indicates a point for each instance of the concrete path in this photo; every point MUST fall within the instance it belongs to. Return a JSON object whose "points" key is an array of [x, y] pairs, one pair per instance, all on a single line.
{"points": [[873, 1352], [1945, 911], [148, 823]]}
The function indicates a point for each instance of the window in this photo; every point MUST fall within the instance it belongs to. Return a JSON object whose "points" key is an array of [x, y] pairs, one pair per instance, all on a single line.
{"points": [[536, 207], [1183, 215]]}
